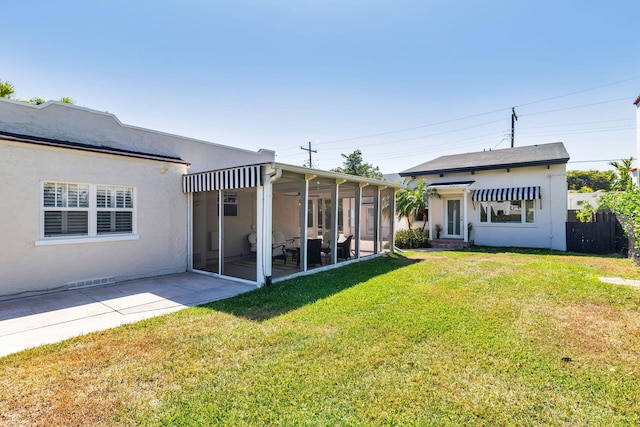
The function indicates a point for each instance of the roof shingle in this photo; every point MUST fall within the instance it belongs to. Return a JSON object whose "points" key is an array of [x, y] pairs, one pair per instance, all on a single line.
{"points": [[532, 155]]}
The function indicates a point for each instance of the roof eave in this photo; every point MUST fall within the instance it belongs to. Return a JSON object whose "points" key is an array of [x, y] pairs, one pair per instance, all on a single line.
{"points": [[337, 175], [47, 142], [484, 167]]}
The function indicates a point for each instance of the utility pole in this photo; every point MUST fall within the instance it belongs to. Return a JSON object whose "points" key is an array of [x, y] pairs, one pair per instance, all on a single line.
{"points": [[310, 151], [514, 117]]}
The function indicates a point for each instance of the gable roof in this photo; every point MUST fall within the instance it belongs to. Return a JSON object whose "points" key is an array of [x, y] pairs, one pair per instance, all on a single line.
{"points": [[532, 155], [637, 101]]}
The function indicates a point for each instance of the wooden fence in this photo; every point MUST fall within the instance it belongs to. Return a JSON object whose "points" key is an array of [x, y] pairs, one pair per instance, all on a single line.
{"points": [[604, 235]]}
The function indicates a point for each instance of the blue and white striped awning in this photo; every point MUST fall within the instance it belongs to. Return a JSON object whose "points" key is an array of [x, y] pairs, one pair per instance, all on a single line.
{"points": [[502, 194], [222, 179]]}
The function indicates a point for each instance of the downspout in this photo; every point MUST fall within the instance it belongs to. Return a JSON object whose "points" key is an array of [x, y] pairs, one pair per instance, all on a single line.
{"points": [[270, 175]]}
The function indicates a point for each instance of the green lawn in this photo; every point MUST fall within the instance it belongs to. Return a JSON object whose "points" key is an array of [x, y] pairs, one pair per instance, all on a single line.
{"points": [[484, 337]]}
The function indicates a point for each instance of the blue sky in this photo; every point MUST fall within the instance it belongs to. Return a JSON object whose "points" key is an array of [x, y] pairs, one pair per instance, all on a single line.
{"points": [[403, 81]]}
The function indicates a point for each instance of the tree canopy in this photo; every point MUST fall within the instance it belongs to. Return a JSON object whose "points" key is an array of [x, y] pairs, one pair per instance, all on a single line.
{"points": [[413, 203], [593, 179], [355, 165], [6, 89], [623, 180]]}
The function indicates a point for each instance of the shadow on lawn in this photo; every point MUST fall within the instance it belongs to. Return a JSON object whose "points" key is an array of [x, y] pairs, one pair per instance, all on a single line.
{"points": [[288, 295]]}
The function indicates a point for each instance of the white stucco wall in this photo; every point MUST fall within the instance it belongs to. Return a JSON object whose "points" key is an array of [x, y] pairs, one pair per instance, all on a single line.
{"points": [[160, 206], [77, 124], [548, 231], [162, 215], [286, 215], [575, 200]]}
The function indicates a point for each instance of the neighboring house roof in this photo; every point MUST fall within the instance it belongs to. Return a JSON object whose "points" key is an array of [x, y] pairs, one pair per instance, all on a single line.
{"points": [[392, 177], [637, 101], [532, 155], [87, 147]]}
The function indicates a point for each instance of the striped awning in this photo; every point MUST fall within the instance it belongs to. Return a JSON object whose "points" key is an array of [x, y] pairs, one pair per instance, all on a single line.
{"points": [[222, 179], [502, 194]]}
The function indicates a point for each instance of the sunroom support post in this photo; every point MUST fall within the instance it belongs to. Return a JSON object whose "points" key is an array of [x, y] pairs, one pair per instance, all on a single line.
{"points": [[358, 216], [264, 220], [221, 232], [376, 221], [303, 237], [335, 191], [261, 271]]}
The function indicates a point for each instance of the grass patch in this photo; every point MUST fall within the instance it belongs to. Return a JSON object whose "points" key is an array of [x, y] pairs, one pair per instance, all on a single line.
{"points": [[488, 337]]}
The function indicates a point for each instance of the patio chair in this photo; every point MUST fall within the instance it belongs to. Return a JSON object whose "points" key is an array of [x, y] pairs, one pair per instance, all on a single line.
{"points": [[326, 245], [344, 248], [289, 246], [314, 251], [277, 251], [326, 240], [278, 239]]}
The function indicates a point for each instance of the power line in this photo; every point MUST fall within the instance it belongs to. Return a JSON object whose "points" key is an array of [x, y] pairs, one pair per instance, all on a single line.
{"points": [[423, 136], [579, 132], [577, 124], [576, 107], [580, 91], [492, 112]]}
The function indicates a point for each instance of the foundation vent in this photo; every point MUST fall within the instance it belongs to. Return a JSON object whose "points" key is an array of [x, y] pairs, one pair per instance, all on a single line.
{"points": [[98, 281]]}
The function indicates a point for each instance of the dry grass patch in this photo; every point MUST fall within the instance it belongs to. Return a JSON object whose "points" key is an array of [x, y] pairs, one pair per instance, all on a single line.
{"points": [[598, 331], [455, 338]]}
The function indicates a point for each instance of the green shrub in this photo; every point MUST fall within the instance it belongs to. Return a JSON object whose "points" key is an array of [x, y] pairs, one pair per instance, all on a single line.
{"points": [[412, 239]]}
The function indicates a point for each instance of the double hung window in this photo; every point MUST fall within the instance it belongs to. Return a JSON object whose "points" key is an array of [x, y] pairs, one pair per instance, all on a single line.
{"points": [[86, 210], [66, 209], [114, 209]]}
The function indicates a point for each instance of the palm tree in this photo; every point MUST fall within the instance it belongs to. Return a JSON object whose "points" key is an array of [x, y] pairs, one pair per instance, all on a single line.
{"points": [[622, 182], [412, 202], [36, 100], [6, 89], [67, 100]]}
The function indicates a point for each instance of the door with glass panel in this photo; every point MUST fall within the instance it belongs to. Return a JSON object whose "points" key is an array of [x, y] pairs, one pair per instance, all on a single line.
{"points": [[454, 218]]}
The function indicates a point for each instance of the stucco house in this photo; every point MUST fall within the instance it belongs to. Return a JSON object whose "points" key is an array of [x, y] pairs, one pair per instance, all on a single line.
{"points": [[89, 201], [576, 200], [509, 197]]}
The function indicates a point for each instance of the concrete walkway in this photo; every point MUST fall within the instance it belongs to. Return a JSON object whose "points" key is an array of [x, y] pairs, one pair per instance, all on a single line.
{"points": [[44, 319], [619, 281]]}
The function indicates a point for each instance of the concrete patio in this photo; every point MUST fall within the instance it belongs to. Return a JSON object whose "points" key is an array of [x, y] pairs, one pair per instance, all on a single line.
{"points": [[44, 319]]}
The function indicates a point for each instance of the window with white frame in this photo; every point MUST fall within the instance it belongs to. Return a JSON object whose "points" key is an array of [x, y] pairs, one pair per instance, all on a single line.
{"points": [[114, 209], [230, 203], [72, 209], [66, 209], [507, 212]]}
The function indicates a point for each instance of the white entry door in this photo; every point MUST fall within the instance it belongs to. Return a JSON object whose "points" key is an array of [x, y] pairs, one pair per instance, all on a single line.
{"points": [[454, 218]]}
